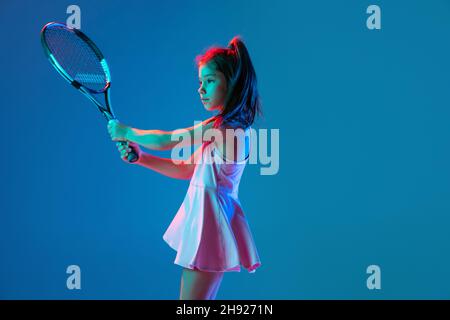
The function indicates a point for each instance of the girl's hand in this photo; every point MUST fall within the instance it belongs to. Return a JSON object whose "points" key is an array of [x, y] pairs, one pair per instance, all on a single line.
{"points": [[117, 130], [126, 147]]}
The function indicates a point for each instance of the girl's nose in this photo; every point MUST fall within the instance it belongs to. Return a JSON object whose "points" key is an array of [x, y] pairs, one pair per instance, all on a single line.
{"points": [[201, 90]]}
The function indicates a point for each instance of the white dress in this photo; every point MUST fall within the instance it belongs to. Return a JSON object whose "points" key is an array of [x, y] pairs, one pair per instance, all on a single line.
{"points": [[210, 231]]}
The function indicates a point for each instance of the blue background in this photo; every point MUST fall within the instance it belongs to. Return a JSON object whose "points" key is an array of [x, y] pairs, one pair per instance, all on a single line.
{"points": [[364, 149]]}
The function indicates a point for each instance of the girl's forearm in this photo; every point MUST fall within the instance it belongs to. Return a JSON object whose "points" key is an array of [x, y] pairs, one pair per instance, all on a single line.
{"points": [[165, 166], [165, 140], [151, 139]]}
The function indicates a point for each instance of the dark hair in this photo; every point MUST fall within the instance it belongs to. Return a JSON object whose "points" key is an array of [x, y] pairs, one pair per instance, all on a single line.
{"points": [[242, 102]]}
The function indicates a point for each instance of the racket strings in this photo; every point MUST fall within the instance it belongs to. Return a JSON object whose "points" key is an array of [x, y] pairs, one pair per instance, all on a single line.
{"points": [[77, 58]]}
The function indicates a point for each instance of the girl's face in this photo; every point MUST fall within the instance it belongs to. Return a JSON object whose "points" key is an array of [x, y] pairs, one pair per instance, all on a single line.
{"points": [[213, 87]]}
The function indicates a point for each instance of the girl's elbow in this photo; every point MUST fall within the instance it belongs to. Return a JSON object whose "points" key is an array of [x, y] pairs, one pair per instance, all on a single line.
{"points": [[188, 172], [187, 176], [182, 176]]}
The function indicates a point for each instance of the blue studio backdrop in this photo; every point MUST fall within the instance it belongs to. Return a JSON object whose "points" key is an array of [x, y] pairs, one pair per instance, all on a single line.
{"points": [[364, 158]]}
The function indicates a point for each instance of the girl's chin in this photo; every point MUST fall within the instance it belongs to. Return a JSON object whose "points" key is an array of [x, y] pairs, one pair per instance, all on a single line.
{"points": [[208, 107]]}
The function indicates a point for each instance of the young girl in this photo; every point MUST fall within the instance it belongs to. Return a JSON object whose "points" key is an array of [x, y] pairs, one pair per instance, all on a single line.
{"points": [[210, 231]]}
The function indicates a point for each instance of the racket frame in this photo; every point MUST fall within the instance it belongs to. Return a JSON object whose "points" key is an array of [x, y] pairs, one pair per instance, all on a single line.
{"points": [[105, 110]]}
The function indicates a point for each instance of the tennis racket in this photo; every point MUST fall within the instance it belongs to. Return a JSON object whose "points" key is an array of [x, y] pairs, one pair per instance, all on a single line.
{"points": [[80, 62]]}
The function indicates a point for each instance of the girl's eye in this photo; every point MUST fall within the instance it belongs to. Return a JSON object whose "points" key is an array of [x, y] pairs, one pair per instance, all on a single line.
{"points": [[207, 81]]}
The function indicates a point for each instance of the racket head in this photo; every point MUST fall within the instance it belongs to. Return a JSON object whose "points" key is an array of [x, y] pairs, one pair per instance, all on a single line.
{"points": [[81, 63], [76, 57]]}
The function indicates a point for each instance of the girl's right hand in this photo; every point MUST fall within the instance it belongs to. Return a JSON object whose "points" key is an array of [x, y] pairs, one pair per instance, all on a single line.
{"points": [[125, 148]]}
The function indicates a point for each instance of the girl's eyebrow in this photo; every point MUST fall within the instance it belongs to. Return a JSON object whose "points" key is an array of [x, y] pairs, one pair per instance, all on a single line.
{"points": [[211, 74]]}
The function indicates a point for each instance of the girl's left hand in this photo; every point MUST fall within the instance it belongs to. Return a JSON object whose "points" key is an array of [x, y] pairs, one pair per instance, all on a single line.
{"points": [[117, 130], [126, 147]]}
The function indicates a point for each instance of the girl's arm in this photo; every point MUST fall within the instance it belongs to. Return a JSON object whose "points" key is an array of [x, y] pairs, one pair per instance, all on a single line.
{"points": [[165, 166], [159, 139], [183, 170]]}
